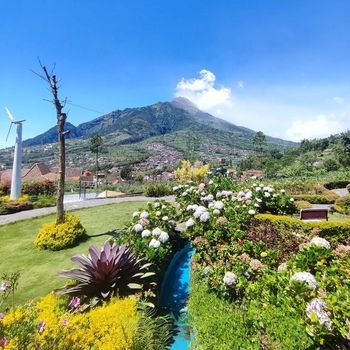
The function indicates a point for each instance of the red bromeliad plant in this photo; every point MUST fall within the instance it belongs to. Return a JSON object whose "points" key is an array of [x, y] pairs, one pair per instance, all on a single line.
{"points": [[112, 270]]}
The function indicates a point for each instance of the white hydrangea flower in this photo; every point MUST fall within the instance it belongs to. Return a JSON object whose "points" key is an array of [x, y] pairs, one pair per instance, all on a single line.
{"points": [[241, 193], [199, 211], [165, 218], [267, 194], [318, 308], [158, 213], [208, 270], [258, 188], [230, 278], [259, 200], [283, 191], [210, 182], [262, 185], [208, 198], [175, 188], [190, 222], [163, 237], [256, 205], [216, 212], [307, 278], [249, 195], [138, 228], [292, 199], [156, 232], [144, 215], [219, 205], [154, 243], [204, 217], [211, 205], [146, 233], [156, 205], [251, 212], [320, 242], [282, 267], [135, 214]]}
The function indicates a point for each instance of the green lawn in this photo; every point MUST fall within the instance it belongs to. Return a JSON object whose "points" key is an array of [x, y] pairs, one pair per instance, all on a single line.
{"points": [[39, 267], [338, 217]]}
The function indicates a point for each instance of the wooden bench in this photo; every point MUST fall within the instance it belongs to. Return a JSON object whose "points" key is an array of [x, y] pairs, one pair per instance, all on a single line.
{"points": [[314, 214]]}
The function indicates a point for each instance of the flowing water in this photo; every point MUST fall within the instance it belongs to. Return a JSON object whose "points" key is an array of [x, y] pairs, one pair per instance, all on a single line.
{"points": [[174, 293]]}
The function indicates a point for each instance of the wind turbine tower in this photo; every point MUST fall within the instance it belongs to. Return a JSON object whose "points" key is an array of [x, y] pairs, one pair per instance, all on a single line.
{"points": [[16, 182]]}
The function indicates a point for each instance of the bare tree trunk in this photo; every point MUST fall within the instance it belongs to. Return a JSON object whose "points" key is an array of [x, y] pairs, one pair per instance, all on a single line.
{"points": [[61, 120]]}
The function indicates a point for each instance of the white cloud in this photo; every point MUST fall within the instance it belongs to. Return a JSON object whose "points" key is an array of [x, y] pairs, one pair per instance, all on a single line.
{"points": [[284, 111], [204, 94], [321, 126]]}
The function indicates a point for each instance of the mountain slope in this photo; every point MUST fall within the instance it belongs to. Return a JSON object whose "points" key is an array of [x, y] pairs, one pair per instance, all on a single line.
{"points": [[144, 122]]}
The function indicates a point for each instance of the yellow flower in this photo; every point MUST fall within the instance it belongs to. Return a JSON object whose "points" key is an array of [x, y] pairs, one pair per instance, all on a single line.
{"points": [[263, 254]]}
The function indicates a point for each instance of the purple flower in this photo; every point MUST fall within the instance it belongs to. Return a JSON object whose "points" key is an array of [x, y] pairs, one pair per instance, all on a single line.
{"points": [[75, 302], [1, 316], [3, 342], [42, 326], [65, 322], [4, 285]]}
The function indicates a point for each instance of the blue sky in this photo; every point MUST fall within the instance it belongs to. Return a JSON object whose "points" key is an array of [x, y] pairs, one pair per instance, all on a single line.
{"points": [[276, 66]]}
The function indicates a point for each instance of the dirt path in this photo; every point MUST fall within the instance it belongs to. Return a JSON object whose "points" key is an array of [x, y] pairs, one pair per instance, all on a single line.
{"points": [[28, 214]]}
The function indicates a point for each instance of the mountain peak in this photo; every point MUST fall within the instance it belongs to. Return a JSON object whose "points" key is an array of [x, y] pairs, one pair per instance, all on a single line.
{"points": [[184, 103]]}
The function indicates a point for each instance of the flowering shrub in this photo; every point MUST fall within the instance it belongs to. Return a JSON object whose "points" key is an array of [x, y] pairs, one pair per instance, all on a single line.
{"points": [[48, 325], [189, 172], [54, 236], [36, 188], [152, 234]]}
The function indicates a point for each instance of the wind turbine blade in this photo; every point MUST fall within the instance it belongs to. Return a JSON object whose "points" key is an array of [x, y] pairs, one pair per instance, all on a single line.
{"points": [[10, 115], [9, 131]]}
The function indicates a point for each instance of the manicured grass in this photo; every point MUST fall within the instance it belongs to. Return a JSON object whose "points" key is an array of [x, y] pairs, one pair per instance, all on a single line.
{"points": [[39, 267], [336, 217]]}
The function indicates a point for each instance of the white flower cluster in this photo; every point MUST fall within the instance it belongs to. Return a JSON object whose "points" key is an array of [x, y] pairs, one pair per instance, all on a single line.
{"points": [[202, 214], [320, 242], [318, 308], [222, 194], [306, 277], [160, 237], [217, 206], [230, 279]]}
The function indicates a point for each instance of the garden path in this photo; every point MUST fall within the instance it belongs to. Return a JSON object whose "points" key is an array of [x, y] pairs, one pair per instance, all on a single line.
{"points": [[342, 192], [28, 214]]}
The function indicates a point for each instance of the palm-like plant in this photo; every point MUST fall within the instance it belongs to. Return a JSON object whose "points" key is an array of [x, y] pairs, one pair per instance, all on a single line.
{"points": [[112, 270]]}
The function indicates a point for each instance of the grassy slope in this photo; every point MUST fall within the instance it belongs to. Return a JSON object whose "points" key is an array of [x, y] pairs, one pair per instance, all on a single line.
{"points": [[39, 268]]}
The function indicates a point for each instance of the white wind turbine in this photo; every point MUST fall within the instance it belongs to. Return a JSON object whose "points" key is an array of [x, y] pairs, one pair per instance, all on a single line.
{"points": [[16, 182]]}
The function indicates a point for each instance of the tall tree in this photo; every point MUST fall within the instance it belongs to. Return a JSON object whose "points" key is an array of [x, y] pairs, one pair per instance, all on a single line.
{"points": [[51, 79], [259, 140], [95, 144]]}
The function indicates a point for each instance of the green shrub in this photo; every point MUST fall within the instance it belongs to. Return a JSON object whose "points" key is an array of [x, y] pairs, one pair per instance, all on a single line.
{"points": [[303, 204], [158, 189], [15, 206], [54, 236], [4, 188], [36, 188], [247, 325], [325, 198], [342, 205], [43, 201], [333, 231]]}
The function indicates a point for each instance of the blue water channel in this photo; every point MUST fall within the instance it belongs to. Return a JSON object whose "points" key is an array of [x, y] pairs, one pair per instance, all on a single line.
{"points": [[174, 294]]}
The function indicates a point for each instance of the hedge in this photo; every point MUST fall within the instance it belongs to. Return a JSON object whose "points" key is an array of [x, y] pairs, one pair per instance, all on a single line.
{"points": [[325, 198], [333, 231], [342, 205]]}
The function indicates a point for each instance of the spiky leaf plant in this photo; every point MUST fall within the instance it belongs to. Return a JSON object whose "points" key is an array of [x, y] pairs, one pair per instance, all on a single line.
{"points": [[112, 270]]}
